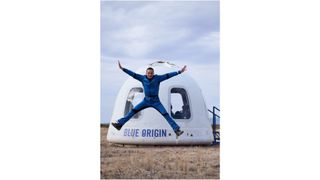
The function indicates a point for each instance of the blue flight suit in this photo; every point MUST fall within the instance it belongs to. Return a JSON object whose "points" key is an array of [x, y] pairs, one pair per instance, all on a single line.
{"points": [[151, 99]]}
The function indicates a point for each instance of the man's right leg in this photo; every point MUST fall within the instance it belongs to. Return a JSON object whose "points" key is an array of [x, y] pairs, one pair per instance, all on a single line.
{"points": [[142, 105]]}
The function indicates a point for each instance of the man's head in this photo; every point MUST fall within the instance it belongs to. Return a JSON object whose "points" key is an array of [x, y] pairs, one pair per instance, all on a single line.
{"points": [[149, 73]]}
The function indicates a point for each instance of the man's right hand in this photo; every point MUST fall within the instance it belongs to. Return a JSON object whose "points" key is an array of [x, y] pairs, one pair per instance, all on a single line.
{"points": [[120, 65]]}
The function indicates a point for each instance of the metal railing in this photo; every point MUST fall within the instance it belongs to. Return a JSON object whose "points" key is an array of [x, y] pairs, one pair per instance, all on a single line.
{"points": [[216, 134]]}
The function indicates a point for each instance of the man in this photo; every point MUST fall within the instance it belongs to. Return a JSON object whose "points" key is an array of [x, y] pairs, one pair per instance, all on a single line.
{"points": [[151, 83]]}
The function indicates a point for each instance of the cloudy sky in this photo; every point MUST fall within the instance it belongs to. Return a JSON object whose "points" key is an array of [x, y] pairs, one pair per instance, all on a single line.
{"points": [[141, 32]]}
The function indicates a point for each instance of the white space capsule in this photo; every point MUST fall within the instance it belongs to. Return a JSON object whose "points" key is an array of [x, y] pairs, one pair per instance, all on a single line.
{"points": [[181, 97]]}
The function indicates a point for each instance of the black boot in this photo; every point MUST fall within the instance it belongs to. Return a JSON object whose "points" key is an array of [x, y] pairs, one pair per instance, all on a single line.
{"points": [[116, 125], [178, 132]]}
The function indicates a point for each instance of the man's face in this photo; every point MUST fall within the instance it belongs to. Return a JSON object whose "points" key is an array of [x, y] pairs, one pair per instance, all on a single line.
{"points": [[149, 73]]}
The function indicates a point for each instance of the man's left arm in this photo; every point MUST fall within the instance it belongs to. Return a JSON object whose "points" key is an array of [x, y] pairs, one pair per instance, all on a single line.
{"points": [[172, 74]]}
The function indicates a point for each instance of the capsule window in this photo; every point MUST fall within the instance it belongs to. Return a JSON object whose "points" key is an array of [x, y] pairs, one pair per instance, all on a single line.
{"points": [[135, 96], [180, 106]]}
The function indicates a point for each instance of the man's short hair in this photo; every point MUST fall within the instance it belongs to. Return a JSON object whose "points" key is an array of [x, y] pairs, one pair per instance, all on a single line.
{"points": [[150, 68]]}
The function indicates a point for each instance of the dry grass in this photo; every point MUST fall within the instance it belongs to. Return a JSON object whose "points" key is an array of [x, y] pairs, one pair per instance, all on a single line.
{"points": [[155, 162]]}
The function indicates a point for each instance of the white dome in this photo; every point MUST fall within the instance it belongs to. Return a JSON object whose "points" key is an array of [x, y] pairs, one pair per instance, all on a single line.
{"points": [[149, 127]]}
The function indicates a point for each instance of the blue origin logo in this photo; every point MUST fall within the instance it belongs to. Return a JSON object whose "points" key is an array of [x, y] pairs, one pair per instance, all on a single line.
{"points": [[145, 132]]}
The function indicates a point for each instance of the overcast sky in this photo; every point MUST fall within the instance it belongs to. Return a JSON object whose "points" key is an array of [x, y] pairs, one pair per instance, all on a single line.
{"points": [[141, 32]]}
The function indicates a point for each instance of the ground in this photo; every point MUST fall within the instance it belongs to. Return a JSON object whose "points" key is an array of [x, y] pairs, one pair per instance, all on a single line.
{"points": [[146, 162]]}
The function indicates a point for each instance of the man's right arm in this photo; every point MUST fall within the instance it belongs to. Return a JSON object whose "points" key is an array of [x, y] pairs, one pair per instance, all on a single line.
{"points": [[130, 73], [136, 76]]}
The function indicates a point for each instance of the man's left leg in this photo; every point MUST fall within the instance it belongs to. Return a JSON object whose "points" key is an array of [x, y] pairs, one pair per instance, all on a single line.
{"points": [[176, 128]]}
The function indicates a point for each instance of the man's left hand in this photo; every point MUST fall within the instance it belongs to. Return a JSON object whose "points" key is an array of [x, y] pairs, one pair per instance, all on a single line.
{"points": [[183, 69]]}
